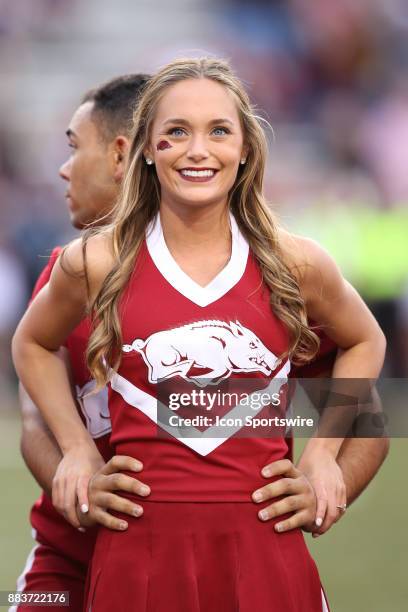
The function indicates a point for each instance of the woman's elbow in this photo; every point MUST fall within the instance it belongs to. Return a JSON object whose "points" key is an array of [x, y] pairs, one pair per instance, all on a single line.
{"points": [[381, 342], [17, 346], [21, 347]]}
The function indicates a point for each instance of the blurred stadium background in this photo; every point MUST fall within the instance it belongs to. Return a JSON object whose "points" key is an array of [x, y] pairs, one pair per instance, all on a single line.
{"points": [[332, 78]]}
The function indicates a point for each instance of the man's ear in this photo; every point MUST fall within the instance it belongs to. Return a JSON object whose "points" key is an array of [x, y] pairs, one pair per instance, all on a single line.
{"points": [[120, 153]]}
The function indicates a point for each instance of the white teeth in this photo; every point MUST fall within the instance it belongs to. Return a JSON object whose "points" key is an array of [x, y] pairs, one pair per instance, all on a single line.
{"points": [[201, 173]]}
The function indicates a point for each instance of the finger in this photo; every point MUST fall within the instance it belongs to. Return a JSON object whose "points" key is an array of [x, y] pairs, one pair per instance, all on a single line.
{"points": [[283, 486], [343, 496], [294, 522], [122, 462], [321, 506], [333, 514], [337, 511], [327, 524], [107, 520], [122, 482], [57, 495], [110, 501], [289, 504], [85, 520], [70, 501], [277, 468], [82, 493]]}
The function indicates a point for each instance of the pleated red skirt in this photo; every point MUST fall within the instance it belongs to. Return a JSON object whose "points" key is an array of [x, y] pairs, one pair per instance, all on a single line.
{"points": [[202, 557]]}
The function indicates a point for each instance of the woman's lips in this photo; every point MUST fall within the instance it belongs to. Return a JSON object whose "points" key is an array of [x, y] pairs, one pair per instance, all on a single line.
{"points": [[202, 175]]}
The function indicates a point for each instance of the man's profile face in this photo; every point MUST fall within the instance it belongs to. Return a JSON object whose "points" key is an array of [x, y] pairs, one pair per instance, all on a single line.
{"points": [[91, 186]]}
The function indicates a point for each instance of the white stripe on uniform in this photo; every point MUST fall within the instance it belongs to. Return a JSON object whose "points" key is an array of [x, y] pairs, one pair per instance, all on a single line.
{"points": [[325, 607], [21, 580]]}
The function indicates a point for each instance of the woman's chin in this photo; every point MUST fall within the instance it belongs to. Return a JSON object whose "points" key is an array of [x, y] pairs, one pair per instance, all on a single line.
{"points": [[197, 197]]}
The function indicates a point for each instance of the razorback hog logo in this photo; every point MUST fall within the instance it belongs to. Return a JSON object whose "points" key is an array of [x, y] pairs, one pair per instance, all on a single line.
{"points": [[212, 350]]}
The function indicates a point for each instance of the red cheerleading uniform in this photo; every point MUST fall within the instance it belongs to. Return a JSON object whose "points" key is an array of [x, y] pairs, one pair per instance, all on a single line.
{"points": [[199, 544], [59, 560]]}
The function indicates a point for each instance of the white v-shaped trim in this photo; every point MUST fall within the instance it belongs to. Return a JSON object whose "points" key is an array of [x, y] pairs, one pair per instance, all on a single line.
{"points": [[171, 271], [206, 441]]}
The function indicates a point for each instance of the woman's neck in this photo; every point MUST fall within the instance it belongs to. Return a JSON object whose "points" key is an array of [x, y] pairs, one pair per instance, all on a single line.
{"points": [[192, 228], [199, 240]]}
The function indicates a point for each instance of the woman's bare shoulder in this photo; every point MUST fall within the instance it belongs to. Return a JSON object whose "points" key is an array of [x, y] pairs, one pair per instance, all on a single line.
{"points": [[313, 267], [297, 251], [91, 256]]}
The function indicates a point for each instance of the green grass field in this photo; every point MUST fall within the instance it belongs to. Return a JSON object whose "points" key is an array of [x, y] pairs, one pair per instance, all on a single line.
{"points": [[363, 561]]}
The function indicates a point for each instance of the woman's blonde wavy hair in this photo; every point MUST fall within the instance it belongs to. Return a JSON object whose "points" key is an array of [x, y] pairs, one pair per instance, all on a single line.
{"points": [[139, 203]]}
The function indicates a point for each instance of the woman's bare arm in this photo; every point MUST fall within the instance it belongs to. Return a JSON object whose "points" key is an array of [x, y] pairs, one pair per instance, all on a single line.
{"points": [[332, 302], [53, 314], [51, 317]]}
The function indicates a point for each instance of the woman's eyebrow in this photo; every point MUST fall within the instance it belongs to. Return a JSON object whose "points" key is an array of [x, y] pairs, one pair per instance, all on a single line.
{"points": [[181, 121], [225, 120], [177, 120]]}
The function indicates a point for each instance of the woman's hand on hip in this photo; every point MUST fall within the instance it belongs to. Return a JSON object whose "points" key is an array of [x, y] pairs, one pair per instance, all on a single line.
{"points": [[296, 495], [103, 490]]}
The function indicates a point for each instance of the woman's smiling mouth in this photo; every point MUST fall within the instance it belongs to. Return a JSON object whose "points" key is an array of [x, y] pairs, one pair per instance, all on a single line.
{"points": [[197, 175]]}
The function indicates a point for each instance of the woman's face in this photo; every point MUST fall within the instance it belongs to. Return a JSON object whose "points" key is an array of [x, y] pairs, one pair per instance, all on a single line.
{"points": [[196, 142]]}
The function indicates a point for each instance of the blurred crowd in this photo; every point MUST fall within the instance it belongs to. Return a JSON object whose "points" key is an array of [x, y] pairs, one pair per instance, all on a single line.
{"points": [[331, 76]]}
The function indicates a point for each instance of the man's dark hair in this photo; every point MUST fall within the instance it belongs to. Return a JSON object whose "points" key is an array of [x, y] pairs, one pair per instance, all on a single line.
{"points": [[114, 104]]}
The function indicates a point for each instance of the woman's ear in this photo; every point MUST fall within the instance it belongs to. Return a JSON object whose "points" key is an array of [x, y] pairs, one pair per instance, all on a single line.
{"points": [[147, 154], [244, 152]]}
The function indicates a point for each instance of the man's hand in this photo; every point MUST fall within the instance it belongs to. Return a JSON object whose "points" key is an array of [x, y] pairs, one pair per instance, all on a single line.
{"points": [[299, 496], [103, 498]]}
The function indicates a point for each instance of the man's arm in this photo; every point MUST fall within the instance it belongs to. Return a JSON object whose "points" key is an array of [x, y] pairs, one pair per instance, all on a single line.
{"points": [[359, 460], [39, 448], [42, 456]]}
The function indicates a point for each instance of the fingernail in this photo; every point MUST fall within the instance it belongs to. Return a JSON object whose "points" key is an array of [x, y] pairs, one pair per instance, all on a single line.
{"points": [[123, 526], [138, 466], [137, 511], [144, 490], [319, 521], [263, 515], [82, 529], [266, 472], [257, 496], [84, 509], [315, 535], [279, 527]]}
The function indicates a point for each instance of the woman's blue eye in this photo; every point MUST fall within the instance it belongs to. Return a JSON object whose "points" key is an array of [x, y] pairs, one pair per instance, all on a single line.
{"points": [[177, 132], [220, 131]]}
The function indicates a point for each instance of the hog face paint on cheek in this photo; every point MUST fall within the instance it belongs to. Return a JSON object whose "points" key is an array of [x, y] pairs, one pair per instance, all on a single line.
{"points": [[163, 145]]}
